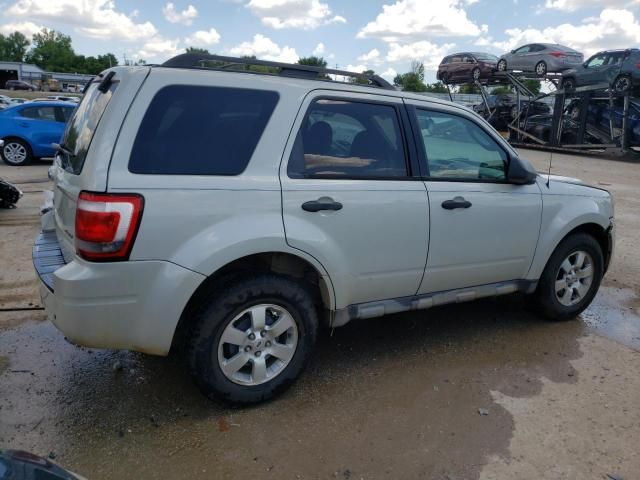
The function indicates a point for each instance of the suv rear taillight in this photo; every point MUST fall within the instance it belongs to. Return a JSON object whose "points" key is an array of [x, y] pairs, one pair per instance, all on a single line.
{"points": [[106, 225]]}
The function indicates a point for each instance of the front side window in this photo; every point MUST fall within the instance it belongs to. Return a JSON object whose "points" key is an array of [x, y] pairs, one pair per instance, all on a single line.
{"points": [[524, 49], [345, 139], [458, 149], [189, 130], [596, 61]]}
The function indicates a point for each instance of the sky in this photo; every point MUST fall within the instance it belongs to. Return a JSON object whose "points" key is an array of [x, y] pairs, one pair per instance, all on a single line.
{"points": [[355, 35]]}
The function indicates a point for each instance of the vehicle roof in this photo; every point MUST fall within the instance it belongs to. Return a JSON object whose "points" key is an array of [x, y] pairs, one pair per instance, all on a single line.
{"points": [[311, 84], [48, 103]]}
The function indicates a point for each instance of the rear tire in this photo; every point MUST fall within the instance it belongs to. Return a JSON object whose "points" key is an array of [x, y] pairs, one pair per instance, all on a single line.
{"points": [[541, 69], [568, 84], [475, 74], [236, 353], [16, 152], [571, 278]]}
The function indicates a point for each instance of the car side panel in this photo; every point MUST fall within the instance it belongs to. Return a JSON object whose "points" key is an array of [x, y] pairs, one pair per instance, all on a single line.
{"points": [[566, 207]]}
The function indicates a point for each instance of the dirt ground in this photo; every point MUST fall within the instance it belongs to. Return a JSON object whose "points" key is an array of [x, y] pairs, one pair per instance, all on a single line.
{"points": [[397, 397]]}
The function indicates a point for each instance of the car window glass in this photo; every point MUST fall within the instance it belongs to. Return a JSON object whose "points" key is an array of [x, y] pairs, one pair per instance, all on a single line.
{"points": [[596, 61], [524, 49], [189, 130], [536, 48], [459, 149], [614, 58], [345, 139], [455, 60], [39, 113]]}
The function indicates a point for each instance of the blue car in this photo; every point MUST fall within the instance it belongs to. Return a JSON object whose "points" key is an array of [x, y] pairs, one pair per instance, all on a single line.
{"points": [[29, 129]]}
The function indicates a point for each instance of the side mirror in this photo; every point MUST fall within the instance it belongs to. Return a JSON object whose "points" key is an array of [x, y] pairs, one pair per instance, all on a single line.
{"points": [[520, 173], [512, 51]]}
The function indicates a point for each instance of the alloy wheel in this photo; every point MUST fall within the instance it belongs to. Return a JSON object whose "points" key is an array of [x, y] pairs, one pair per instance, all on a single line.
{"points": [[622, 84], [476, 73], [502, 66], [258, 344], [541, 68], [15, 153], [574, 278]]}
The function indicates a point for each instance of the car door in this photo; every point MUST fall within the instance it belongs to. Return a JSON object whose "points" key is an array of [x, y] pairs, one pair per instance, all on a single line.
{"points": [[611, 67], [351, 197], [518, 57], [41, 127], [483, 229], [593, 71]]}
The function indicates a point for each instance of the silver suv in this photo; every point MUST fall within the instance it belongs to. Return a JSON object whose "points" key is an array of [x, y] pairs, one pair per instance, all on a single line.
{"points": [[230, 210]]}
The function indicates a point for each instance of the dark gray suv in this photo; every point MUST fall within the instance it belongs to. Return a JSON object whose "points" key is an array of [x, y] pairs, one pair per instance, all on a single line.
{"points": [[618, 68]]}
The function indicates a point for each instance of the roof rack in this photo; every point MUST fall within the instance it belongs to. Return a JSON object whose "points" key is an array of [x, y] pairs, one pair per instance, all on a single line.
{"points": [[217, 62]]}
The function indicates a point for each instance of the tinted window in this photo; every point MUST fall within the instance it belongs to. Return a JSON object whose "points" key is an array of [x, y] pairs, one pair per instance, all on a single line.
{"points": [[524, 49], [536, 48], [64, 114], [82, 125], [191, 130], [39, 113], [614, 58], [458, 149], [345, 139]]}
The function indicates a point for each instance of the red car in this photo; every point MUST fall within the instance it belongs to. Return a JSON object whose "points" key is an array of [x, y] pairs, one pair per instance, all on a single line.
{"points": [[466, 67]]}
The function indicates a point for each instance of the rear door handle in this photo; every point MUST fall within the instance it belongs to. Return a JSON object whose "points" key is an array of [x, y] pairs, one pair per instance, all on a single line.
{"points": [[324, 203], [457, 202]]}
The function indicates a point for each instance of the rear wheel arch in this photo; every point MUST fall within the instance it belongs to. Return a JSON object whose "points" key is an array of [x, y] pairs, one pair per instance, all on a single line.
{"points": [[279, 263]]}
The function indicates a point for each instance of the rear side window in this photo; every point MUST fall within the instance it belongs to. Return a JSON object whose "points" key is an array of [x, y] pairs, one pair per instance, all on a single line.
{"points": [[39, 113], [82, 125], [191, 130]]}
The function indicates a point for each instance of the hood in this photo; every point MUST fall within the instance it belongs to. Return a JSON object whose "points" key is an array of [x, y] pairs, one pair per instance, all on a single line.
{"points": [[555, 179]]}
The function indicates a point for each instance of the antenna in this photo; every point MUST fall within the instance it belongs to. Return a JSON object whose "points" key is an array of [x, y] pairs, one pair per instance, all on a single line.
{"points": [[549, 173]]}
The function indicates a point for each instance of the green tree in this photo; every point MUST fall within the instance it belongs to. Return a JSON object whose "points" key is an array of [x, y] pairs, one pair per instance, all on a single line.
{"points": [[200, 51], [412, 81], [13, 47], [437, 87], [533, 85], [52, 51], [469, 88], [360, 80], [313, 61]]}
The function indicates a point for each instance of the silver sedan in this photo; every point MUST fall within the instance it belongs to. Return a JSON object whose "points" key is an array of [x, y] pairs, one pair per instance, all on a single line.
{"points": [[540, 58]]}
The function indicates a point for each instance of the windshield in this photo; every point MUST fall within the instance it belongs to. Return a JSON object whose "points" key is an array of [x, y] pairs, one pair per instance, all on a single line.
{"points": [[81, 127]]}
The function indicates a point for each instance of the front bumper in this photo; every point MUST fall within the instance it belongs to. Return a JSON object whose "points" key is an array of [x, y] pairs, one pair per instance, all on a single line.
{"points": [[132, 305]]}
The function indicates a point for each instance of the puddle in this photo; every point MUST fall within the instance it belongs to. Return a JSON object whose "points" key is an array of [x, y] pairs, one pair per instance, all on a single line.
{"points": [[615, 314]]}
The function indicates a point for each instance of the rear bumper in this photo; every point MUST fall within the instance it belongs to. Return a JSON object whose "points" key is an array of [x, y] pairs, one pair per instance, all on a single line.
{"points": [[132, 305]]}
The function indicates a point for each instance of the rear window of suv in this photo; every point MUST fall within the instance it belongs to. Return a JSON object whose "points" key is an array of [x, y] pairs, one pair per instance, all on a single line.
{"points": [[82, 125], [192, 130]]}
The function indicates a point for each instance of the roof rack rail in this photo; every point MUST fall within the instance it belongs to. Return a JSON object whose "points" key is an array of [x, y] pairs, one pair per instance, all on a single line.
{"points": [[217, 62]]}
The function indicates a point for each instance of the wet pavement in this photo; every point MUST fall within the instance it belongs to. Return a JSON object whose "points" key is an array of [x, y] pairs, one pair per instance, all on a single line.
{"points": [[482, 390]]}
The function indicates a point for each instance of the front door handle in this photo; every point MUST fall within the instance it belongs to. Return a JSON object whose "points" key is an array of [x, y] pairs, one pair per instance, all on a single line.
{"points": [[457, 202], [324, 203]]}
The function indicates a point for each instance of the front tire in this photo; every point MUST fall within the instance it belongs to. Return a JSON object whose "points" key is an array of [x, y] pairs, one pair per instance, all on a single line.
{"points": [[541, 69], [622, 84], [502, 65], [571, 278], [568, 85], [475, 74], [251, 341], [16, 152]]}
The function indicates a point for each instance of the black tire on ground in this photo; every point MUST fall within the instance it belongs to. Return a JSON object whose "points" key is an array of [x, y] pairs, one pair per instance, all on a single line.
{"points": [[12, 143], [622, 84], [545, 297], [541, 69], [568, 84], [215, 315], [502, 65]]}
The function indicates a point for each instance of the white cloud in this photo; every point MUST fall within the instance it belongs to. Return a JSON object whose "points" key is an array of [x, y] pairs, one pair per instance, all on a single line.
{"points": [[573, 5], [356, 68], [91, 18], [203, 38], [159, 48], [28, 29], [184, 17], [611, 29], [303, 14], [372, 56], [424, 51], [413, 20], [265, 48], [319, 50], [389, 74]]}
